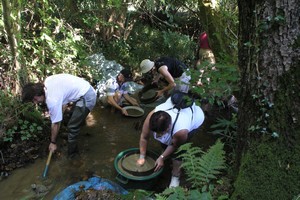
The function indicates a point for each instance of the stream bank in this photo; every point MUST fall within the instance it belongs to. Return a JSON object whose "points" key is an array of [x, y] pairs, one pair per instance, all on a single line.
{"points": [[104, 135]]}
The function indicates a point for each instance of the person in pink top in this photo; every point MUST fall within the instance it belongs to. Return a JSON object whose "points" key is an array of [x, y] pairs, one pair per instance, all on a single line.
{"points": [[203, 41], [205, 52]]}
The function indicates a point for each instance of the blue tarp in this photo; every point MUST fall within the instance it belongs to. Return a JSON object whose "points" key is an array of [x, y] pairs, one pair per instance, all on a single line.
{"points": [[96, 183]]}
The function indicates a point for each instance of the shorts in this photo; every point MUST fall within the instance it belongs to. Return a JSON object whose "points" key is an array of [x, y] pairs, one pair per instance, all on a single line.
{"points": [[175, 155]]}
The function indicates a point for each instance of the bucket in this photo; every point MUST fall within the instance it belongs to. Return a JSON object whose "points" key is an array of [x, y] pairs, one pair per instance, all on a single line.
{"points": [[132, 179]]}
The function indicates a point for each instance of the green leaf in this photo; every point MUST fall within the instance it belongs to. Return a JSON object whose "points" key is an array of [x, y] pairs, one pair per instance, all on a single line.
{"points": [[202, 170]]}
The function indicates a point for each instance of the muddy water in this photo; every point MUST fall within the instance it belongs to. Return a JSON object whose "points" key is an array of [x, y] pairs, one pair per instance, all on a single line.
{"points": [[105, 135]]}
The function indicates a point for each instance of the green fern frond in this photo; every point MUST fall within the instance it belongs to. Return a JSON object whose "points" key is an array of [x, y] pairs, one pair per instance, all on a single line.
{"points": [[172, 194], [188, 150], [202, 169]]}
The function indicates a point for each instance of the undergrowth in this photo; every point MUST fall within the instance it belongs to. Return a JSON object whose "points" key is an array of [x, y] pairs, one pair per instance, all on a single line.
{"points": [[18, 120], [203, 170]]}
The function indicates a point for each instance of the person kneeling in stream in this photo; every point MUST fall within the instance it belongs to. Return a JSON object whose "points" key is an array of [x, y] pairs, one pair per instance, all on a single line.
{"points": [[172, 127], [117, 92], [168, 71], [57, 91]]}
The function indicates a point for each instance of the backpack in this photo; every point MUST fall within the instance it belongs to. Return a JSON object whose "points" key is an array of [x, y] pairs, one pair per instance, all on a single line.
{"points": [[180, 101]]}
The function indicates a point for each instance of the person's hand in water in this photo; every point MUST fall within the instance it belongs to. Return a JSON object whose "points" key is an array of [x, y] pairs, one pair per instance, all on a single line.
{"points": [[159, 93], [124, 112], [141, 160], [159, 163]]}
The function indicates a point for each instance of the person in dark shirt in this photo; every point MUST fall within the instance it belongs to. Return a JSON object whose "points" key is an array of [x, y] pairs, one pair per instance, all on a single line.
{"points": [[169, 69]]}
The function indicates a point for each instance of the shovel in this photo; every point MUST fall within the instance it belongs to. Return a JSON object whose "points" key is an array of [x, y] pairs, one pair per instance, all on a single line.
{"points": [[47, 164]]}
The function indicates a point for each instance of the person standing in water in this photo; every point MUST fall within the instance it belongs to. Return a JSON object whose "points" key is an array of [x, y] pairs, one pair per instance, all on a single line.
{"points": [[57, 91]]}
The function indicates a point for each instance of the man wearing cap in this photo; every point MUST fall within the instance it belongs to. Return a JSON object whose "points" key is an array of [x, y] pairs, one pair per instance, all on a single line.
{"points": [[117, 91], [171, 70], [57, 91]]}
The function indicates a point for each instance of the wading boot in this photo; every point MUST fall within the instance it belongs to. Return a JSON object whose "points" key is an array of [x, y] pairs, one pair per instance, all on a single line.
{"points": [[174, 182], [72, 149]]}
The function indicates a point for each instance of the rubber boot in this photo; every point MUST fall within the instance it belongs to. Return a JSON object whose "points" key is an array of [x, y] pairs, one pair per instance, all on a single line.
{"points": [[72, 149], [175, 181]]}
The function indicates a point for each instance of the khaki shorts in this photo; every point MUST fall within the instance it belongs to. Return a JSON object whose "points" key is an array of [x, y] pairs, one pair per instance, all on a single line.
{"points": [[207, 55]]}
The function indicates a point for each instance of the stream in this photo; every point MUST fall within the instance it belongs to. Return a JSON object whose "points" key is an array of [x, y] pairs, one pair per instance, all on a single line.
{"points": [[105, 134]]}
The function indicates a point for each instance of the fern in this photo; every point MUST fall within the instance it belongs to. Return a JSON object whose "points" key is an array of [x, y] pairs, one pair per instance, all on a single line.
{"points": [[201, 170], [183, 194], [172, 194]]}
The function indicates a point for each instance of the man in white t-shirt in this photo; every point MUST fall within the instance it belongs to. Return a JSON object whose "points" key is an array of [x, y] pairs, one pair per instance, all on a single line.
{"points": [[170, 132], [57, 91]]}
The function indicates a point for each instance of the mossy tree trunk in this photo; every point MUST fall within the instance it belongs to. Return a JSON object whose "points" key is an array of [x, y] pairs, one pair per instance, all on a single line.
{"points": [[269, 101]]}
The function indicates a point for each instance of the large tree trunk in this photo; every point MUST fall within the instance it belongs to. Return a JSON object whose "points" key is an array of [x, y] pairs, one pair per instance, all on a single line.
{"points": [[269, 110]]}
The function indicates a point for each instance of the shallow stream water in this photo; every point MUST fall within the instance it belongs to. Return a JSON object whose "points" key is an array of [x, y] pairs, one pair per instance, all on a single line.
{"points": [[104, 136]]}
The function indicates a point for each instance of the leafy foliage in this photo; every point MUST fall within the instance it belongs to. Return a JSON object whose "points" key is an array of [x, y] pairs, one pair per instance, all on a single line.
{"points": [[48, 44], [53, 41], [201, 170], [214, 82], [146, 42], [227, 129], [17, 119], [24, 129], [183, 194], [137, 194]]}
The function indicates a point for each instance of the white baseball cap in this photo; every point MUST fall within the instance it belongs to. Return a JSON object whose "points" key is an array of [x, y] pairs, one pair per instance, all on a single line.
{"points": [[146, 65]]}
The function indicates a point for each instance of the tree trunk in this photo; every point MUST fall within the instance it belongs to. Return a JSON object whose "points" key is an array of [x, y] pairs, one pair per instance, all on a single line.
{"points": [[113, 24], [13, 34], [268, 120], [221, 30]]}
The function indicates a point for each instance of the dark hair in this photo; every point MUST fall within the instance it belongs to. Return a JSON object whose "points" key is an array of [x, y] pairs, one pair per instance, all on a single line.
{"points": [[126, 73], [30, 90], [160, 121]]}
